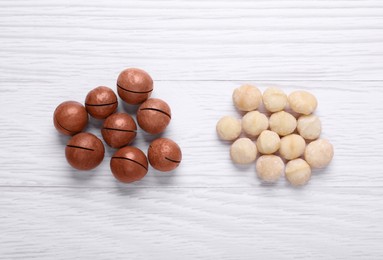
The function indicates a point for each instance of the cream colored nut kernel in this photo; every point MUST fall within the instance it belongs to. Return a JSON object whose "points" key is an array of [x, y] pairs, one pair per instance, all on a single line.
{"points": [[243, 151], [247, 98], [274, 99], [298, 172], [254, 122], [269, 168], [309, 127], [268, 142], [292, 146], [229, 128], [319, 153], [282, 123], [302, 102]]}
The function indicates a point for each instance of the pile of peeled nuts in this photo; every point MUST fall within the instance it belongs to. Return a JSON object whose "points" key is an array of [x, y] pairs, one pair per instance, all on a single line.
{"points": [[288, 132], [84, 151]]}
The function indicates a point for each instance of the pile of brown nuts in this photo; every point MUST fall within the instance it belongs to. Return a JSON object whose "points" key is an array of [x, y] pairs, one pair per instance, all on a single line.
{"points": [[280, 138], [84, 151]]}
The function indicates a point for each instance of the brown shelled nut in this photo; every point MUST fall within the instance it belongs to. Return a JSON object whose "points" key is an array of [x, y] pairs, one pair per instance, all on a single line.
{"points": [[84, 151], [101, 102], [154, 115], [134, 86], [129, 164], [70, 118], [164, 154], [119, 130]]}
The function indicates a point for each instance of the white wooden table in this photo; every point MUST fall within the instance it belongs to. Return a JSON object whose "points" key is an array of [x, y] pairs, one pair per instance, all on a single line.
{"points": [[197, 53]]}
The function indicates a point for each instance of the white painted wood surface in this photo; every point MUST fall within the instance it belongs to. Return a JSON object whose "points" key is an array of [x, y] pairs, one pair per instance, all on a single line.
{"points": [[197, 52]]}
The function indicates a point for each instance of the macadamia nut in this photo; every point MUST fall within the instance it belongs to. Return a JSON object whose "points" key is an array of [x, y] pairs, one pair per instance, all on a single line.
{"points": [[229, 128], [268, 142], [319, 153], [269, 168], [282, 123], [254, 122], [298, 172], [274, 99], [292, 146], [302, 102], [247, 98], [243, 151], [309, 127]]}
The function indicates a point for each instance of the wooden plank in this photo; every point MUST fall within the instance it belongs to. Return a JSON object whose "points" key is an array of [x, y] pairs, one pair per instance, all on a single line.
{"points": [[286, 40], [259, 223]]}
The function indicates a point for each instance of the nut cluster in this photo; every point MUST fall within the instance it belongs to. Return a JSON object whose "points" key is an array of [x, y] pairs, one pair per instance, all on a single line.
{"points": [[279, 138], [84, 151]]}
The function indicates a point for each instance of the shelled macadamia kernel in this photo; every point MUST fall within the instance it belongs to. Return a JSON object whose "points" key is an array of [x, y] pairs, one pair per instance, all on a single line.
{"points": [[292, 146], [243, 151], [298, 172], [254, 122], [269, 168], [274, 99], [283, 123], [279, 139], [302, 102], [319, 153], [268, 142], [229, 128], [247, 98], [309, 127]]}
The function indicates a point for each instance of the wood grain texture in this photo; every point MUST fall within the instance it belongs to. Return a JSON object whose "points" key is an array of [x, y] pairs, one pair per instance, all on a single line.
{"points": [[197, 53]]}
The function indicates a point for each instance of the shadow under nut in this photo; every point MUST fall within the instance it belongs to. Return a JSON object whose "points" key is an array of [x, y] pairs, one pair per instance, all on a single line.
{"points": [[129, 164], [134, 86], [84, 151], [70, 117], [164, 154]]}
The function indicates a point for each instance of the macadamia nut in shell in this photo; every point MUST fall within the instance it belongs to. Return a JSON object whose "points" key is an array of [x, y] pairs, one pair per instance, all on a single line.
{"points": [[84, 151], [247, 98], [101, 102], [164, 154], [129, 164], [70, 118], [154, 115], [319, 153], [134, 86], [243, 151], [229, 128], [119, 130]]}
